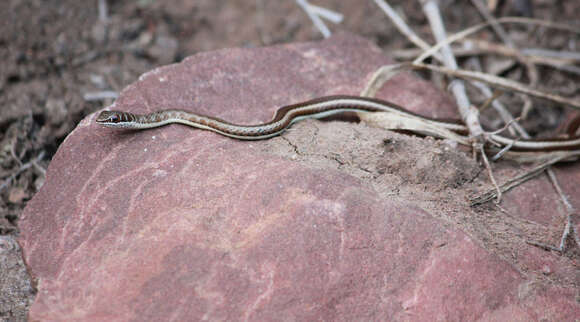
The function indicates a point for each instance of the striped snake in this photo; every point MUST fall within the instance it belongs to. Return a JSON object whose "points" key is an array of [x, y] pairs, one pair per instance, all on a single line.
{"points": [[316, 108]]}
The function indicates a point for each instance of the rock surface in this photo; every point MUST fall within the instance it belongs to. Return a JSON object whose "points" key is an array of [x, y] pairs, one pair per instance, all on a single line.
{"points": [[331, 221]]}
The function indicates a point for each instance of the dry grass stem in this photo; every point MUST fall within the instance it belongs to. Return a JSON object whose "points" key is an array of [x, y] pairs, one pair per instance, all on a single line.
{"points": [[381, 76], [476, 28], [490, 175], [469, 114], [499, 82], [476, 47], [490, 194], [316, 13], [404, 28], [497, 28]]}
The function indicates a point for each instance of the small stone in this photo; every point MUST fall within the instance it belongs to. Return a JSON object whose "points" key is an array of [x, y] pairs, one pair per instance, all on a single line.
{"points": [[17, 195], [546, 270]]}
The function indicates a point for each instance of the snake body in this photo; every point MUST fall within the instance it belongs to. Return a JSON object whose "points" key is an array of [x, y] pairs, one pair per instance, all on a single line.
{"points": [[283, 118], [316, 108]]}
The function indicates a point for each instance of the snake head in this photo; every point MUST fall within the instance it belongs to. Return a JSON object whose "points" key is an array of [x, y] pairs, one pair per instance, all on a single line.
{"points": [[115, 119]]}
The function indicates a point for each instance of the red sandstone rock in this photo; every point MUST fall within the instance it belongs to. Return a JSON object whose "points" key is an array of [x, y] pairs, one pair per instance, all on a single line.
{"points": [[320, 224]]}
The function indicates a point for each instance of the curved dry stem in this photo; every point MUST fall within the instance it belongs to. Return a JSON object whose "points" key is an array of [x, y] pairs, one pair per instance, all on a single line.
{"points": [[499, 82], [381, 76], [505, 20]]}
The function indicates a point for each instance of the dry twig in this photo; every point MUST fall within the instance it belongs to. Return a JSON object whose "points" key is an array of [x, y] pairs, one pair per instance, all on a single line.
{"points": [[404, 28], [490, 194], [316, 13], [500, 82]]}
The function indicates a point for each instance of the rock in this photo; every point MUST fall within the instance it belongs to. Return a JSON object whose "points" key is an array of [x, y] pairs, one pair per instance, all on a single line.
{"points": [[15, 287], [318, 224]]}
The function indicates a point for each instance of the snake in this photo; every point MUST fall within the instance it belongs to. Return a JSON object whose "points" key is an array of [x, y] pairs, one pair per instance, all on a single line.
{"points": [[316, 108]]}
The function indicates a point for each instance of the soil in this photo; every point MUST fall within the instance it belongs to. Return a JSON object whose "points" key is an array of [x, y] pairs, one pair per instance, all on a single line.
{"points": [[61, 61]]}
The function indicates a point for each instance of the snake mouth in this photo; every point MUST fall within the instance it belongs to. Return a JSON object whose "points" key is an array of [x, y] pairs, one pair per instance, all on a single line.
{"points": [[111, 118], [104, 116]]}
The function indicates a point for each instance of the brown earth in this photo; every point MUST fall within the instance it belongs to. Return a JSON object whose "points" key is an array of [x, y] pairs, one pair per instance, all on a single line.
{"points": [[56, 53]]}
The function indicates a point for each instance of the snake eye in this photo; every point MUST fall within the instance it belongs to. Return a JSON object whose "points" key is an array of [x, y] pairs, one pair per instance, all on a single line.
{"points": [[115, 118]]}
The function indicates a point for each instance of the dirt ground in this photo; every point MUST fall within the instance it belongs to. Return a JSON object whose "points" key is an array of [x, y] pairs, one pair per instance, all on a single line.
{"points": [[62, 60]]}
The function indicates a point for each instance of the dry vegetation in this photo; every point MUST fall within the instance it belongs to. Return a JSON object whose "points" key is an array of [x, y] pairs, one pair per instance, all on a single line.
{"points": [[63, 60]]}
